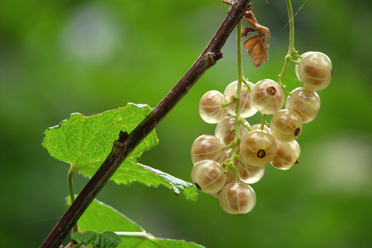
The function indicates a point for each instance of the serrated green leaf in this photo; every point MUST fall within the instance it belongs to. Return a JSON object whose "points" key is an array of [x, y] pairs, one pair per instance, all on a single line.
{"points": [[100, 217], [93, 239], [176, 184], [85, 141]]}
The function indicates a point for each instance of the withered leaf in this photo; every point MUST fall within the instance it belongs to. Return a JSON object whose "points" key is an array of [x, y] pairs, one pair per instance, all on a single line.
{"points": [[251, 19], [246, 31], [258, 48]]}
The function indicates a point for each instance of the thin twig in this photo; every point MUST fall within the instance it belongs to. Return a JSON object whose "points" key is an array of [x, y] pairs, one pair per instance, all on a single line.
{"points": [[127, 143]]}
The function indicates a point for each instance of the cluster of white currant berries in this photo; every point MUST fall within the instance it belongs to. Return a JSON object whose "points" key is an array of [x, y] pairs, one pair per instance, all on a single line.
{"points": [[225, 164]]}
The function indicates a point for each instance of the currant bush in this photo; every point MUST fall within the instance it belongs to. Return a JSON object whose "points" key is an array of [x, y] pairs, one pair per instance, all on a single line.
{"points": [[240, 151]]}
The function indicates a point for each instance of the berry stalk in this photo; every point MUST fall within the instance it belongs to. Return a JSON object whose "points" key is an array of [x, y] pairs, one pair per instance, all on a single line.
{"points": [[239, 86], [291, 49], [235, 149]]}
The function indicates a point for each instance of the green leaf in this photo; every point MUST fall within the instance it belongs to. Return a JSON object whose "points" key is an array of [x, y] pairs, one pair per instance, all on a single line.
{"points": [[100, 217], [176, 184], [85, 141], [93, 239]]}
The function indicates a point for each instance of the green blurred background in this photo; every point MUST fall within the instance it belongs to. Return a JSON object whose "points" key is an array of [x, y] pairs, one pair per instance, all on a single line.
{"points": [[59, 57]]}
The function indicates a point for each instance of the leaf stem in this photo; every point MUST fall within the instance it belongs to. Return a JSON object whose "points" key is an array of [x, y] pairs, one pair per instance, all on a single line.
{"points": [[71, 172], [127, 143], [291, 49]]}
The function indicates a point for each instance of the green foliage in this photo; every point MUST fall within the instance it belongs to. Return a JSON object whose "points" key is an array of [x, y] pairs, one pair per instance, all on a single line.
{"points": [[85, 142], [93, 239], [100, 217]]}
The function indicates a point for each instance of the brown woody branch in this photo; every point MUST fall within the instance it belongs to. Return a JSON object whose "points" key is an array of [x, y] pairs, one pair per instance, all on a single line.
{"points": [[127, 143]]}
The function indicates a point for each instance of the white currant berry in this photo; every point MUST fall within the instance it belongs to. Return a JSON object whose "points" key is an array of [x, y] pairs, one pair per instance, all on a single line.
{"points": [[267, 96], [246, 106], [315, 70], [225, 130], [287, 155], [208, 176], [286, 125], [249, 174], [210, 107], [305, 102], [207, 147], [257, 148], [237, 198]]}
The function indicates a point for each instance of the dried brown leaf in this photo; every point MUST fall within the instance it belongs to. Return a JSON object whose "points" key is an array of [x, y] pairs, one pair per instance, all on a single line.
{"points": [[246, 31], [258, 48], [251, 19], [263, 30]]}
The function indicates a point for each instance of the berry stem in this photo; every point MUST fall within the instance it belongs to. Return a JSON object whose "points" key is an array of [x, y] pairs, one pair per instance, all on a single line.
{"points": [[235, 150], [229, 103], [291, 50], [287, 92], [246, 126], [240, 77], [263, 121], [239, 56]]}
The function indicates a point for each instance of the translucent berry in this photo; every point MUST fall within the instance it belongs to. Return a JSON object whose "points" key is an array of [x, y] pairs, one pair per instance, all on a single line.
{"points": [[210, 107], [286, 125], [305, 102], [225, 130], [237, 198], [246, 106], [208, 176], [257, 148], [314, 70], [207, 147], [267, 96], [249, 174], [287, 155]]}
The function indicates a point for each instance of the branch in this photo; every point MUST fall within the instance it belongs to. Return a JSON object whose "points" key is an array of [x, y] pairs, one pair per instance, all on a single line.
{"points": [[127, 143]]}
